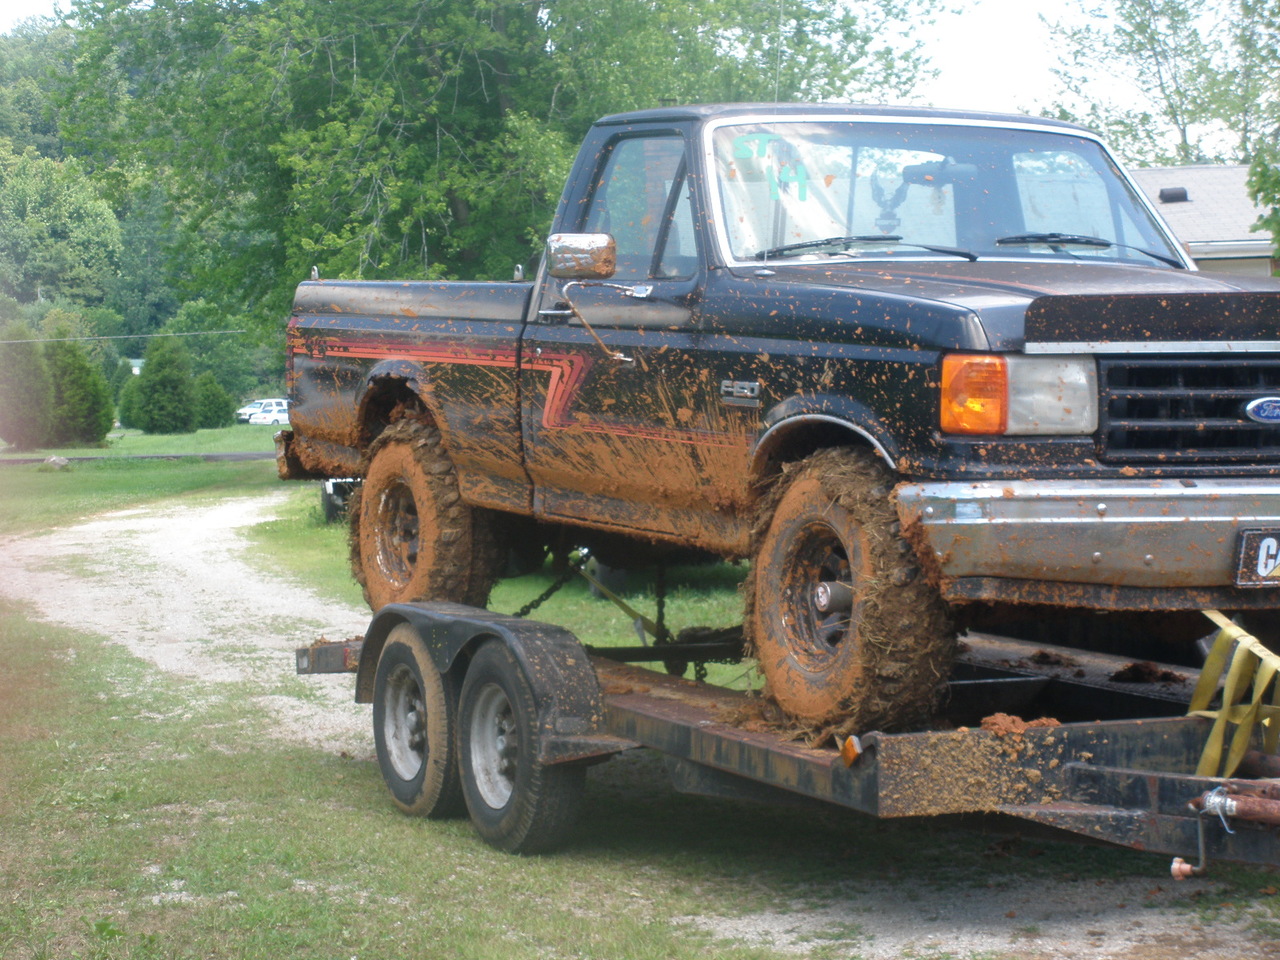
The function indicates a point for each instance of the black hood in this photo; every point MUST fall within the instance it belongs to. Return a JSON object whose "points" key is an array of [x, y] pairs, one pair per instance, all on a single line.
{"points": [[1066, 301]]}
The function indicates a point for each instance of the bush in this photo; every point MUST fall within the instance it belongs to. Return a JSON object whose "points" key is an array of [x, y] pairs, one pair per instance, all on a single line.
{"points": [[165, 399], [127, 404], [82, 410], [214, 406], [26, 392]]}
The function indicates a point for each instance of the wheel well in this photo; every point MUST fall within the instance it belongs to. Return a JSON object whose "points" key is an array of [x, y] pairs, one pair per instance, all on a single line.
{"points": [[388, 399], [802, 440]]}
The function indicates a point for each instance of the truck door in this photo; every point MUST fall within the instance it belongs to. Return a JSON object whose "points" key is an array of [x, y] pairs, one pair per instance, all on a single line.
{"points": [[623, 422]]}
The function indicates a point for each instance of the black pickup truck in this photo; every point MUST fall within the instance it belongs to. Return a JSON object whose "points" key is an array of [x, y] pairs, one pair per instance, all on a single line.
{"points": [[917, 365]]}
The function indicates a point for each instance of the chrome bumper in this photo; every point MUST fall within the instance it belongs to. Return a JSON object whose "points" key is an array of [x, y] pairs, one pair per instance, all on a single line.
{"points": [[1146, 533]]}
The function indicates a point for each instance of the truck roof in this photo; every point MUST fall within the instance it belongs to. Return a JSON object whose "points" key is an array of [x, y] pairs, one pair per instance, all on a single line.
{"points": [[710, 111]]}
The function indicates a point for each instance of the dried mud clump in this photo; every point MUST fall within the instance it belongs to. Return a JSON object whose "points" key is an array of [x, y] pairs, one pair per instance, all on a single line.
{"points": [[1144, 671], [1006, 725]]}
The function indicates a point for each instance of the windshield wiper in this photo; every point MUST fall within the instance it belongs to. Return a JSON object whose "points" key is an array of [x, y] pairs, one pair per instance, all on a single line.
{"points": [[1079, 240], [828, 242], [865, 238]]}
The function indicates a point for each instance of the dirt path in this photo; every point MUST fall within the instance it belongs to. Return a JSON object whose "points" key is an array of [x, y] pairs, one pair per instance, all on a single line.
{"points": [[172, 585]]}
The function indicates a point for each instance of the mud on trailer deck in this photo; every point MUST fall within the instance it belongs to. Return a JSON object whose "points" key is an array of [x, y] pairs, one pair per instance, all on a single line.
{"points": [[501, 716]]}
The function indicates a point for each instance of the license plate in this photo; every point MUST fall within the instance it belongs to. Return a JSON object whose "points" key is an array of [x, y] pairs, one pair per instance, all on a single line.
{"points": [[1259, 560]]}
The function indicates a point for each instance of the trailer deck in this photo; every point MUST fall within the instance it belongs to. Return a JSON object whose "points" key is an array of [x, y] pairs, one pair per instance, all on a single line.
{"points": [[1042, 734]]}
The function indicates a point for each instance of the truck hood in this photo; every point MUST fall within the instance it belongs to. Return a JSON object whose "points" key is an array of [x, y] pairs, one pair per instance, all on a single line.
{"points": [[1082, 305]]}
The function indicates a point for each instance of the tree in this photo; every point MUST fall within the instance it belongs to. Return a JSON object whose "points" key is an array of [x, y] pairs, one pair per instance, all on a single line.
{"points": [[81, 411], [214, 406], [164, 392], [26, 392], [58, 238], [417, 138], [213, 348], [1204, 72]]}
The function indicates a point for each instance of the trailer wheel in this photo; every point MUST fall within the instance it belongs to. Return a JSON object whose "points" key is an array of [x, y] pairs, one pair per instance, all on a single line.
{"points": [[516, 803], [415, 710], [847, 632], [412, 537]]}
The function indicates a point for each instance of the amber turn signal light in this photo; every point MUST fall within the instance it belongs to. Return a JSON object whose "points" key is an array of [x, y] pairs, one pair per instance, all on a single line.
{"points": [[975, 394]]}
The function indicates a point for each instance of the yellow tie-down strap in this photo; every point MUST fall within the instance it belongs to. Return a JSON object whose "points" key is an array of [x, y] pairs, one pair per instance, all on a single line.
{"points": [[1250, 672]]}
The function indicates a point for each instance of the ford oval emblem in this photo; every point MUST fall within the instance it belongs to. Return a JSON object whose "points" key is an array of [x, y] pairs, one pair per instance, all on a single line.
{"points": [[1264, 410]]}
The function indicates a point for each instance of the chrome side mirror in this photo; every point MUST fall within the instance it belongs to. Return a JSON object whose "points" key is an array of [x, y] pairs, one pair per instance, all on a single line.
{"points": [[581, 256]]}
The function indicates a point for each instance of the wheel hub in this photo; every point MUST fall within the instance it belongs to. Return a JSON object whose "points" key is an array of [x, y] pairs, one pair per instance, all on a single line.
{"points": [[398, 534], [405, 727], [495, 746]]}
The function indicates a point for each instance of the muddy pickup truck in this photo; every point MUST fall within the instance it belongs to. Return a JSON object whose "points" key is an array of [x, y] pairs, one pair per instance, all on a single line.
{"points": [[922, 367]]}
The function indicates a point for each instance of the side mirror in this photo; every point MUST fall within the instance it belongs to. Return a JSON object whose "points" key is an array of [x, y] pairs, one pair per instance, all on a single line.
{"points": [[581, 256]]}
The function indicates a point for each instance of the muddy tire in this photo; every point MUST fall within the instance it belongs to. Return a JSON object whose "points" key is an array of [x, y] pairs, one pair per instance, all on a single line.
{"points": [[415, 714], [517, 804], [412, 537], [874, 657]]}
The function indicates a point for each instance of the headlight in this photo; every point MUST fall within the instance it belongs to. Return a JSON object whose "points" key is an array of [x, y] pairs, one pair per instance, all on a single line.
{"points": [[1019, 396]]}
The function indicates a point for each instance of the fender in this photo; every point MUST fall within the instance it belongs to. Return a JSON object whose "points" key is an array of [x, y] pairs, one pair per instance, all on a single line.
{"points": [[826, 413], [413, 374], [565, 689]]}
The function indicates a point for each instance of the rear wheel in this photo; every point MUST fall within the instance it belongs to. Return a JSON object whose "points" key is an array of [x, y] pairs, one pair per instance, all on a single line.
{"points": [[415, 710], [412, 537], [517, 803], [847, 632]]}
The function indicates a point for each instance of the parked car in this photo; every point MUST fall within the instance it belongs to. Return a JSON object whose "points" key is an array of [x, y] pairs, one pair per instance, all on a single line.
{"points": [[271, 411], [249, 409]]}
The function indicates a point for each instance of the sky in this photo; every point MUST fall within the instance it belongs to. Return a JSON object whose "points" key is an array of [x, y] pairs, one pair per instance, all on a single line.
{"points": [[994, 55]]}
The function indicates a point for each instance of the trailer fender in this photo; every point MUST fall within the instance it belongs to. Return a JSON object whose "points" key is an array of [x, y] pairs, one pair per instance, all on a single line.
{"points": [[569, 701]]}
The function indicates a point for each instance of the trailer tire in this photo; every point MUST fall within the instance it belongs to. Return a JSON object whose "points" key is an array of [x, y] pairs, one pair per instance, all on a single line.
{"points": [[412, 536], [415, 714], [517, 803], [880, 663]]}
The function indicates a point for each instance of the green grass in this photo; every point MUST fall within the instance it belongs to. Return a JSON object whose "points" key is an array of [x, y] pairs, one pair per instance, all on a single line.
{"points": [[241, 438], [34, 497]]}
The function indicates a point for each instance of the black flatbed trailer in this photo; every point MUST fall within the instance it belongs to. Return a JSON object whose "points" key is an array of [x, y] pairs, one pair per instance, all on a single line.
{"points": [[1111, 760]]}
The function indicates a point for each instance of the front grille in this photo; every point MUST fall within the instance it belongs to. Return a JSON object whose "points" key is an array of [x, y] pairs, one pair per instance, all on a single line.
{"points": [[1175, 410]]}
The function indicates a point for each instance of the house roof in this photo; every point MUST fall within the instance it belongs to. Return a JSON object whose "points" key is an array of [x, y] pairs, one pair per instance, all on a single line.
{"points": [[1217, 209]]}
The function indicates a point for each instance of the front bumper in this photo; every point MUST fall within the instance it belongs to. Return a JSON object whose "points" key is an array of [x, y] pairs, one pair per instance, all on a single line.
{"points": [[1132, 536]]}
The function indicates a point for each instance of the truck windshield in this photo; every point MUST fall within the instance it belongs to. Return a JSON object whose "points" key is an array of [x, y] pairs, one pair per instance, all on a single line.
{"points": [[785, 186]]}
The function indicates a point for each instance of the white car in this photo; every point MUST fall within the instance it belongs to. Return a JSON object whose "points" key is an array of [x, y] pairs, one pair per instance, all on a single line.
{"points": [[271, 411], [249, 409]]}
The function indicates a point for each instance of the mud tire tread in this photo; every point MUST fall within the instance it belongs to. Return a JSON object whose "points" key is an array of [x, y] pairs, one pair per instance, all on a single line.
{"points": [[462, 539], [906, 637]]}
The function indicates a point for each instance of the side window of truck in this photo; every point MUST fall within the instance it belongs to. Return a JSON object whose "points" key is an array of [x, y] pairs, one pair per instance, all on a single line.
{"points": [[642, 200]]}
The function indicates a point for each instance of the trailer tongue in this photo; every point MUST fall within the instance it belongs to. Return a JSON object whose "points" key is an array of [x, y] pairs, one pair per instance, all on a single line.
{"points": [[1113, 758]]}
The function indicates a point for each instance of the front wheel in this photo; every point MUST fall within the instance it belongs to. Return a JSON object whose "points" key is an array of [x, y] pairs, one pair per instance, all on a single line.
{"points": [[415, 710], [848, 632], [517, 803]]}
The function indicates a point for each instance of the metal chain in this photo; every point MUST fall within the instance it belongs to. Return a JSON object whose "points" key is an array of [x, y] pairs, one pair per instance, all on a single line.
{"points": [[569, 572]]}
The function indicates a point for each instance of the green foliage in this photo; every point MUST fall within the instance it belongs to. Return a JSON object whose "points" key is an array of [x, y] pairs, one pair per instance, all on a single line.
{"points": [[82, 410], [26, 391], [163, 395], [29, 54], [1206, 72], [214, 406], [217, 349], [122, 375], [58, 238], [127, 403], [400, 138]]}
